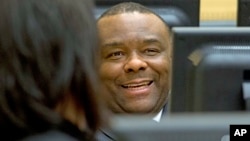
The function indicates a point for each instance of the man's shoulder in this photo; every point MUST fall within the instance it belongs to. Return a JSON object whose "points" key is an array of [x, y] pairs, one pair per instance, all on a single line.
{"points": [[52, 135], [105, 135]]}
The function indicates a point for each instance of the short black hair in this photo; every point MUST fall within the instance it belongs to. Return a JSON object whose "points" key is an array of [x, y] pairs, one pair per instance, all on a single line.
{"points": [[129, 7]]}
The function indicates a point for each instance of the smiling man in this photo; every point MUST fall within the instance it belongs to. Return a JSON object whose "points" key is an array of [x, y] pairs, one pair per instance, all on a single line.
{"points": [[135, 59]]}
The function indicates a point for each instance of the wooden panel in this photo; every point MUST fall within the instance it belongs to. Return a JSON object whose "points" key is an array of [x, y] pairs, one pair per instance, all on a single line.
{"points": [[218, 10]]}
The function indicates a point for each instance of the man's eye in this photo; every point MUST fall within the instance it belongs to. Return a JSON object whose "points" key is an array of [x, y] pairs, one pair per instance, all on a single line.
{"points": [[151, 52], [116, 55]]}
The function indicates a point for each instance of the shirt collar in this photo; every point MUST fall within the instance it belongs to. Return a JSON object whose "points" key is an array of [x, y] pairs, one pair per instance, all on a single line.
{"points": [[157, 118]]}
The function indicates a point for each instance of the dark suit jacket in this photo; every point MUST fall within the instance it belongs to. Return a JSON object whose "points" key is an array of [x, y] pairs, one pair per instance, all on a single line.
{"points": [[108, 135], [64, 132], [53, 135], [105, 135]]}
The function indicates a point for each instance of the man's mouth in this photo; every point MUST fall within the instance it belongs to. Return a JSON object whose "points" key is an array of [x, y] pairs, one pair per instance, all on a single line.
{"points": [[137, 85]]}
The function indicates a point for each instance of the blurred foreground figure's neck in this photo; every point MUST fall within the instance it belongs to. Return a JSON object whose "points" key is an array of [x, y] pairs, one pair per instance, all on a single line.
{"points": [[69, 110]]}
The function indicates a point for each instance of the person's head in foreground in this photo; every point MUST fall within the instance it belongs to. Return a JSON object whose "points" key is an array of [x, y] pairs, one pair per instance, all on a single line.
{"points": [[47, 68], [135, 59]]}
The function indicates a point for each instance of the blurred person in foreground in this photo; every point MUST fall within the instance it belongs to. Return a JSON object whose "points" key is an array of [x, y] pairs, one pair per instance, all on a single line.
{"points": [[135, 60], [47, 70]]}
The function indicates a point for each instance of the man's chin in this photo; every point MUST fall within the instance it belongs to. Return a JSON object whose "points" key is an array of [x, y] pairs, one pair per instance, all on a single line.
{"points": [[135, 108], [140, 110]]}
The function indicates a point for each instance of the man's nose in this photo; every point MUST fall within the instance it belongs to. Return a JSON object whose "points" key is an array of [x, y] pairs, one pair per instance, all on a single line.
{"points": [[135, 63]]}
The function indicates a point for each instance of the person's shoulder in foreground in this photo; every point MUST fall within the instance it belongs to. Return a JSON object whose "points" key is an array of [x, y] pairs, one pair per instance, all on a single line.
{"points": [[48, 78]]}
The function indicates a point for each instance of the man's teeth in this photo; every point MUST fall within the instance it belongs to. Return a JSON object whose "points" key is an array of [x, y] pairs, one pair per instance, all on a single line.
{"points": [[136, 85]]}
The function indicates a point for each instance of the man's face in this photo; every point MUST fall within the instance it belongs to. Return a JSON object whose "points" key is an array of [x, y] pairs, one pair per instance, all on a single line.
{"points": [[135, 60]]}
